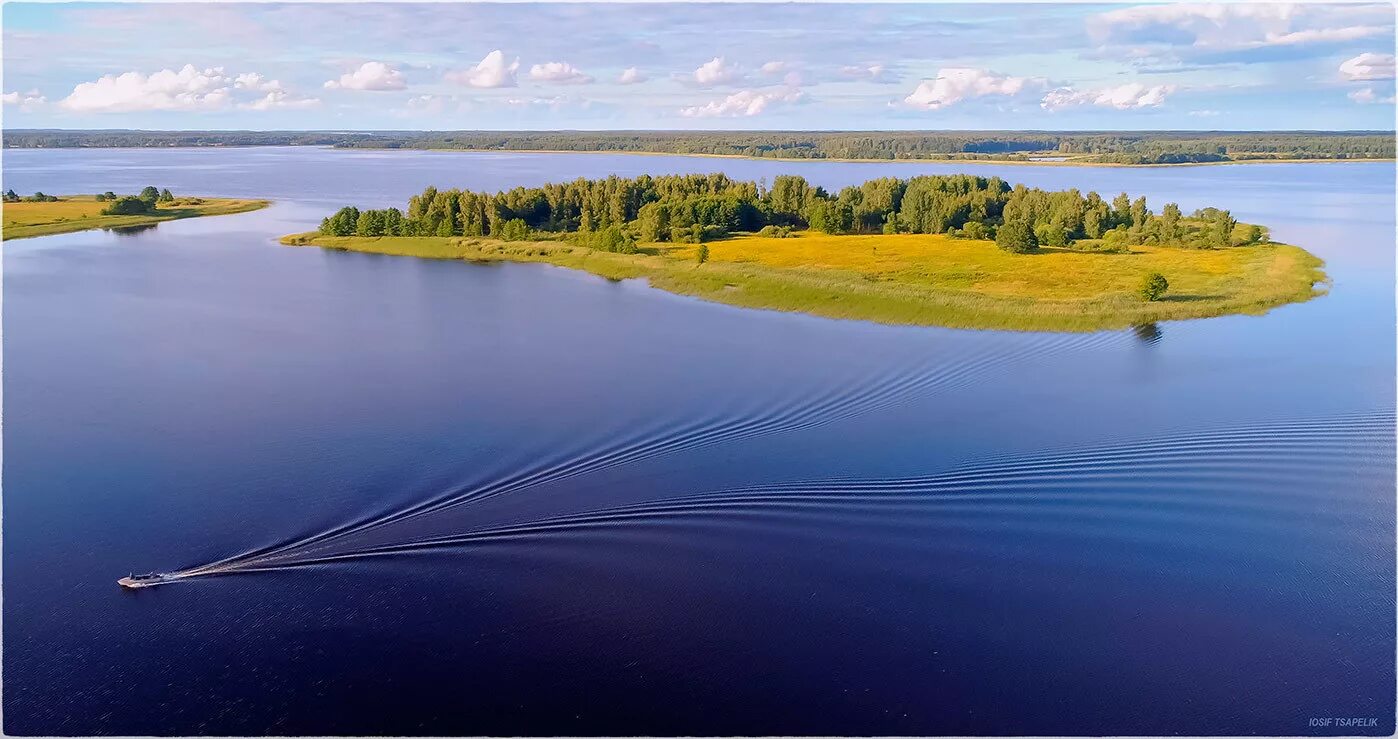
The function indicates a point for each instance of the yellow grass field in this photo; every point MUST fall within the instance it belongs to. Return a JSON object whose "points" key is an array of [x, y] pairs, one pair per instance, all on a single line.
{"points": [[83, 212], [922, 279]]}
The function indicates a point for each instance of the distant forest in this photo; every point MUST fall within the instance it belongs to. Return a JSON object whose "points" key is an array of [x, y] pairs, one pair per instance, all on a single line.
{"points": [[617, 214], [1164, 147]]}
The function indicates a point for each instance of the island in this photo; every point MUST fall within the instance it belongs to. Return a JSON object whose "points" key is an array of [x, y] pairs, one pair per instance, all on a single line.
{"points": [[45, 215], [957, 251]]}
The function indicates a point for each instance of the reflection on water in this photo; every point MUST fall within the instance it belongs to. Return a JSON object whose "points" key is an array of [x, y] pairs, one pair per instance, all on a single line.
{"points": [[457, 493], [132, 230], [1148, 333]]}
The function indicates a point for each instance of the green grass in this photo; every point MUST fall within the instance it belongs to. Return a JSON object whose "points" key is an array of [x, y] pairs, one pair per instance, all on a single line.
{"points": [[920, 279], [82, 212]]}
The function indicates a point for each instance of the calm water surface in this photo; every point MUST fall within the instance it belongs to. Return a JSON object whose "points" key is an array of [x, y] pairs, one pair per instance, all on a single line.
{"points": [[434, 497]]}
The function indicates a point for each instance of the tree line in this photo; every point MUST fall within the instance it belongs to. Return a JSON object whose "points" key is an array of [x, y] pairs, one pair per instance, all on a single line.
{"points": [[617, 213], [1124, 147]]}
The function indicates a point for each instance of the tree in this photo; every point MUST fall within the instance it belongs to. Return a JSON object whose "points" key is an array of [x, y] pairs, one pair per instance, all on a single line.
{"points": [[166, 196], [149, 194], [1016, 237], [702, 255], [514, 229], [343, 223], [1170, 223], [1153, 287], [11, 196]]}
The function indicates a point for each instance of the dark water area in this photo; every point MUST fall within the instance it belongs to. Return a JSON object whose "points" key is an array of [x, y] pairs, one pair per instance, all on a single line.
{"points": [[417, 497]]}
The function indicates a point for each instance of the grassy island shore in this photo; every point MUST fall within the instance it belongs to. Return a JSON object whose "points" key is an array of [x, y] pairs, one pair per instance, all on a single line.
{"points": [[82, 212], [919, 279]]}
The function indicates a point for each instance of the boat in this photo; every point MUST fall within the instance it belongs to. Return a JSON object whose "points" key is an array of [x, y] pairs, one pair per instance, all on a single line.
{"points": [[147, 580]]}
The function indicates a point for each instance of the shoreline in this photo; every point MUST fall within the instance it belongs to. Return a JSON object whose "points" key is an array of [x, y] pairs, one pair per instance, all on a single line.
{"points": [[80, 221], [1267, 277]]}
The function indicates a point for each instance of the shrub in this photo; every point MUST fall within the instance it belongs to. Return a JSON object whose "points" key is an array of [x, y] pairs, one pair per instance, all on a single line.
{"points": [[775, 232], [1016, 237], [703, 254], [613, 239], [128, 206], [166, 196], [974, 230], [1153, 287]]}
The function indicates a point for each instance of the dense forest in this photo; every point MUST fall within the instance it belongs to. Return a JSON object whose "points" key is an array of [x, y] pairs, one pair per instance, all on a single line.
{"points": [[1163, 147], [616, 214]]}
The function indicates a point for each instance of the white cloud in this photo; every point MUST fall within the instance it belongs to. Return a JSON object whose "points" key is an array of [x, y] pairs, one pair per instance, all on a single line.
{"points": [[561, 73], [255, 81], [775, 67], [872, 72], [717, 71], [1368, 66], [279, 99], [187, 89], [1235, 26], [1122, 97], [1203, 113], [954, 84], [27, 101], [369, 76], [631, 76], [742, 103], [1368, 96], [492, 71]]}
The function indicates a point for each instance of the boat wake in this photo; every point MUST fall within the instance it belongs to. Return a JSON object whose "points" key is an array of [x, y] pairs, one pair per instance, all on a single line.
{"points": [[1192, 466]]}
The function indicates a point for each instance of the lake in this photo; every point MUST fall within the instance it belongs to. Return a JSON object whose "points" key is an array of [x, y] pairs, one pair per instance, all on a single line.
{"points": [[445, 498]]}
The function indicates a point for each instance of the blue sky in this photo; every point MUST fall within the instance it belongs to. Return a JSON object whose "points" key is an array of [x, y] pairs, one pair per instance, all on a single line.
{"points": [[698, 66]]}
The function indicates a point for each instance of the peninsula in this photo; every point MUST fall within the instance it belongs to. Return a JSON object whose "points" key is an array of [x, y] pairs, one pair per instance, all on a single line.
{"points": [[45, 215], [957, 251]]}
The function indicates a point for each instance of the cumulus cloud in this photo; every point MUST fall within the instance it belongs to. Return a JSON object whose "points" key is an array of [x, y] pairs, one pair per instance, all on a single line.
{"points": [[631, 76], [186, 89], [742, 103], [871, 72], [561, 73], [1369, 96], [255, 81], [279, 99], [1122, 97], [1367, 67], [26, 101], [1198, 30], [717, 71], [954, 84], [369, 76], [492, 71]]}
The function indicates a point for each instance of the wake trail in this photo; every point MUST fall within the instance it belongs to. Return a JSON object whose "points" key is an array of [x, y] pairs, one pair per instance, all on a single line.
{"points": [[1122, 475], [836, 403]]}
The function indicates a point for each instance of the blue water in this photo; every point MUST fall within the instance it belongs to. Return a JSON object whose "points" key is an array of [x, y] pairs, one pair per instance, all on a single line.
{"points": [[440, 498]]}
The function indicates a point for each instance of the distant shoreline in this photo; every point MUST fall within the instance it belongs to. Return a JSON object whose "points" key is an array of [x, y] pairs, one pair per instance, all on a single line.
{"points": [[1016, 162], [842, 160]]}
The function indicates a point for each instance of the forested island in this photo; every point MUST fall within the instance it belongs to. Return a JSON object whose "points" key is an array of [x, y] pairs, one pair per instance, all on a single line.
{"points": [[1132, 148], [955, 250], [43, 215]]}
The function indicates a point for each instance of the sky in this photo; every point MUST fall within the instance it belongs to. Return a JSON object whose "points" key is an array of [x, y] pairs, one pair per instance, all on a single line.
{"points": [[728, 66]]}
